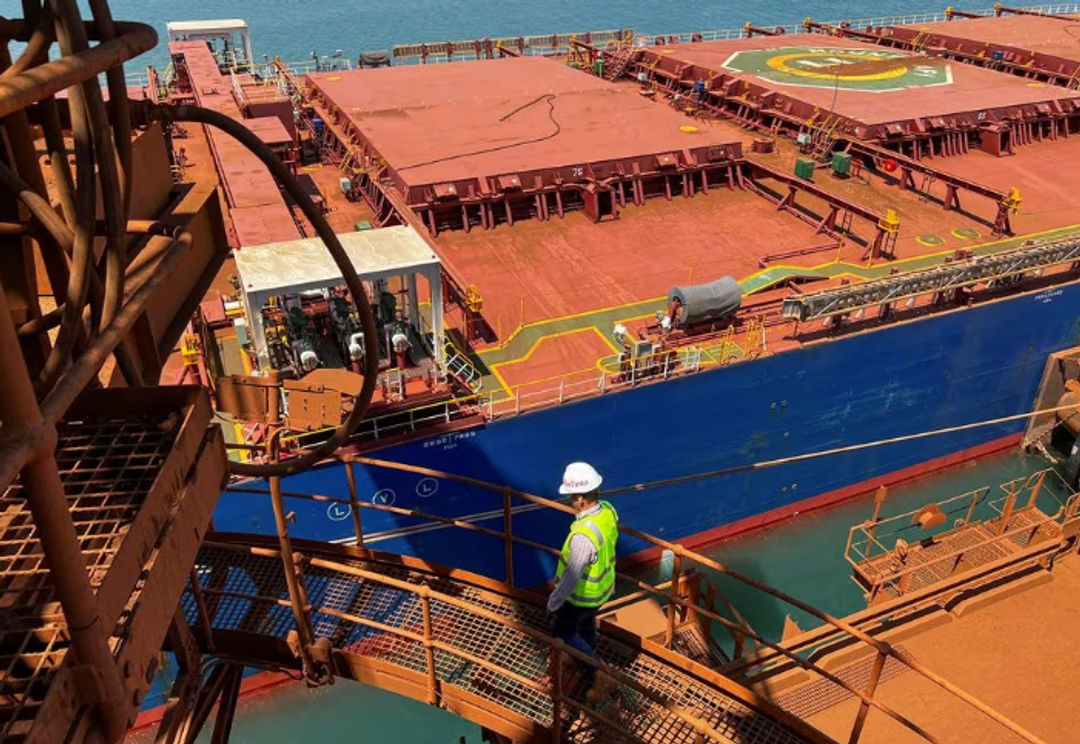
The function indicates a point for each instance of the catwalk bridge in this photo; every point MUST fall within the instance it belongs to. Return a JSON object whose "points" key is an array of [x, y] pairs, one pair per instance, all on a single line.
{"points": [[480, 647]]}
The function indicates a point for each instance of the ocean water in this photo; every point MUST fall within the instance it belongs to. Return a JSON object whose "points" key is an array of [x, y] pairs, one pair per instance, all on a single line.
{"points": [[292, 29]]}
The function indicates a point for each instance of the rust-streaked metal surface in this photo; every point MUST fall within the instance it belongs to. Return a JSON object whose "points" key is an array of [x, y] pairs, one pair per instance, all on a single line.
{"points": [[247, 601], [247, 184], [141, 473]]}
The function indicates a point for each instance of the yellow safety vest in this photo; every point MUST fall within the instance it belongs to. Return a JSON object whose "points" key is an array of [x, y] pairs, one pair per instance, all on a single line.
{"points": [[598, 583]]}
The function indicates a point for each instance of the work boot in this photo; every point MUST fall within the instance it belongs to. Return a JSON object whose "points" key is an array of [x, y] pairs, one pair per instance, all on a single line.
{"points": [[569, 668], [602, 686]]}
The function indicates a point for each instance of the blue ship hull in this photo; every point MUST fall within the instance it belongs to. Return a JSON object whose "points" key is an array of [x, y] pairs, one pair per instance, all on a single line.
{"points": [[953, 368]]}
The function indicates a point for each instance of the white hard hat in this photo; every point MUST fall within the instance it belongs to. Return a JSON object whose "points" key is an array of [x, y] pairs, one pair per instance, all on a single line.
{"points": [[579, 477]]}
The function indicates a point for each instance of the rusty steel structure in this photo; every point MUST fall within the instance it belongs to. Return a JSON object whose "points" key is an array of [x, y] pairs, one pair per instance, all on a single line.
{"points": [[929, 129], [105, 494], [1029, 524], [102, 491]]}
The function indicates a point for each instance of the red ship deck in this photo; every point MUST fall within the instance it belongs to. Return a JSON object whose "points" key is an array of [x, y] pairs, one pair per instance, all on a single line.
{"points": [[553, 287], [873, 93], [535, 118], [257, 210], [1051, 36]]}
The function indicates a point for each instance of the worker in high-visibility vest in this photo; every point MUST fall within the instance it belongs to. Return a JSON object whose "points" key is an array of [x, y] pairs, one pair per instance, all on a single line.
{"points": [[585, 578]]}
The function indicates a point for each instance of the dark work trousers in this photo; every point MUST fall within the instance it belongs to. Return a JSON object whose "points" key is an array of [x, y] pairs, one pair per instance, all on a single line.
{"points": [[576, 626]]}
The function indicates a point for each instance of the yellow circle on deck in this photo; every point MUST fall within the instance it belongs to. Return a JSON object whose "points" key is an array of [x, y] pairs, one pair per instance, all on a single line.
{"points": [[688, 128], [930, 240], [1036, 85], [780, 64], [333, 78], [966, 233]]}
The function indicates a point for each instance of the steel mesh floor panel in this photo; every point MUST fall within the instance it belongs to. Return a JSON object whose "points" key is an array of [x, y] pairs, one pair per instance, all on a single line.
{"points": [[690, 642], [480, 652], [980, 544], [107, 467], [821, 694]]}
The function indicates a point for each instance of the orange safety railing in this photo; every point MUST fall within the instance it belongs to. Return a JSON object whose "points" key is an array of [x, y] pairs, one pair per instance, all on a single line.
{"points": [[1020, 524], [835, 630], [418, 649]]}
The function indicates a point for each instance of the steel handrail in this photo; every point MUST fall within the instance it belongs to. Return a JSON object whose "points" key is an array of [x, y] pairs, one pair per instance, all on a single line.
{"points": [[426, 594], [680, 552], [674, 602]]}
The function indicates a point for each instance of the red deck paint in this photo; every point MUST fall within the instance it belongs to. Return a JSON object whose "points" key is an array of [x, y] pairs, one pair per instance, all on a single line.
{"points": [[431, 123], [1049, 36], [972, 89], [269, 129], [244, 179]]}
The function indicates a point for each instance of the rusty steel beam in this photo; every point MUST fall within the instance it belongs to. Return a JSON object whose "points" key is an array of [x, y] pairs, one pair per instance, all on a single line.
{"points": [[27, 88], [875, 155], [56, 532], [952, 12], [1000, 10]]}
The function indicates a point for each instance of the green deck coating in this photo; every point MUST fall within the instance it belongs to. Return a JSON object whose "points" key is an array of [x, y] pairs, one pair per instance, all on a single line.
{"points": [[823, 67], [524, 338]]}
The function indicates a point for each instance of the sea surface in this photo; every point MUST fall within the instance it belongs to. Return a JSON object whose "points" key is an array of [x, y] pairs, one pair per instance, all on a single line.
{"points": [[802, 556], [293, 29]]}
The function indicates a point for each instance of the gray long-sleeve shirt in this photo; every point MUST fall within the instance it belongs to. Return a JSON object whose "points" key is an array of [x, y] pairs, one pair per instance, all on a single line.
{"points": [[582, 555]]}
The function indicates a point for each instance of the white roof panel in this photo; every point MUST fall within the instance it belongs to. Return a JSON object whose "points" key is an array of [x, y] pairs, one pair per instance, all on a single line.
{"points": [[224, 24], [302, 264]]}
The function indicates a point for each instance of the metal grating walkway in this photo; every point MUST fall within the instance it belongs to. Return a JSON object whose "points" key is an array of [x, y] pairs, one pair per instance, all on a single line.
{"points": [[970, 546], [483, 654], [132, 472], [107, 468]]}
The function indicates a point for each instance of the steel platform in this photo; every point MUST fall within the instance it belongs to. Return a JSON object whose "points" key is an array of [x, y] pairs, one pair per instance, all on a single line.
{"points": [[466, 643], [875, 93], [142, 476], [515, 130]]}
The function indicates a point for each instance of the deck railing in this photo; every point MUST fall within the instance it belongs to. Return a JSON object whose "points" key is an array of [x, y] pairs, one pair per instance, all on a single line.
{"points": [[900, 554], [684, 562], [560, 44], [533, 396]]}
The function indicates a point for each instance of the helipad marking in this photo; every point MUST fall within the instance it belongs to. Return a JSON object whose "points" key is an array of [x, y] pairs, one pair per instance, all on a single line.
{"points": [[865, 70], [780, 63]]}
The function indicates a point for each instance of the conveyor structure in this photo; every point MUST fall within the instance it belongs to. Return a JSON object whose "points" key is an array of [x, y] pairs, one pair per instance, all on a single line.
{"points": [[941, 280]]}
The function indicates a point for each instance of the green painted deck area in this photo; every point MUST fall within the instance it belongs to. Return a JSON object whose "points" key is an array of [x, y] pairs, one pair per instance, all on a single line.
{"points": [[524, 340]]}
